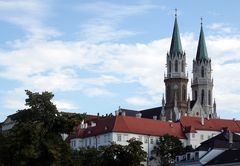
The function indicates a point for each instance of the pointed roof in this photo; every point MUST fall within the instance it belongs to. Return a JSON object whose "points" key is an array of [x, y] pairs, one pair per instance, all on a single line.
{"points": [[176, 46], [202, 49]]}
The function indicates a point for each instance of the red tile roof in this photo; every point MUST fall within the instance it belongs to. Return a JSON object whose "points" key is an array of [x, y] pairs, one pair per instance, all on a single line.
{"points": [[210, 124], [126, 124]]}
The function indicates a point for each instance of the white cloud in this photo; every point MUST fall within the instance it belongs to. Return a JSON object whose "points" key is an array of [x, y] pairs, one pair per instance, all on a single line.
{"points": [[95, 91], [105, 24], [28, 15], [138, 101], [62, 66], [65, 105], [221, 28]]}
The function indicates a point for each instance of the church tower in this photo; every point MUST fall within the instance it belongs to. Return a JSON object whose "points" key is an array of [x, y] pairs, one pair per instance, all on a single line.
{"points": [[202, 83], [176, 79]]}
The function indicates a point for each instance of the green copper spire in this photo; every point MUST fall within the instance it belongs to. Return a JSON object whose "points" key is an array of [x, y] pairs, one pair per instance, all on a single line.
{"points": [[202, 49], [176, 46]]}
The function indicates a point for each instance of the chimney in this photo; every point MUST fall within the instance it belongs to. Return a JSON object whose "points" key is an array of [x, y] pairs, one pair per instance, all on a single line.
{"points": [[138, 115], [123, 113], [202, 120], [116, 113], [93, 124], [155, 117], [230, 137]]}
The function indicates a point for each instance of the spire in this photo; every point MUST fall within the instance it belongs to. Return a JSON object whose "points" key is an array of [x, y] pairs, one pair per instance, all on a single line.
{"points": [[202, 49], [176, 46]]}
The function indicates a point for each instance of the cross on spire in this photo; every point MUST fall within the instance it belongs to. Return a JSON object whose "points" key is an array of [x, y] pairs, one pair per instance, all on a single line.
{"points": [[201, 21], [175, 12]]}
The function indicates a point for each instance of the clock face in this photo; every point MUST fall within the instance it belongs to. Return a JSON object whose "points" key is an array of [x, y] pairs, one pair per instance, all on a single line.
{"points": [[175, 87]]}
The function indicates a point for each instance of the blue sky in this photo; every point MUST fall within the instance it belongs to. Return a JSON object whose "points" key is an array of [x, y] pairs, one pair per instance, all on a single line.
{"points": [[98, 55]]}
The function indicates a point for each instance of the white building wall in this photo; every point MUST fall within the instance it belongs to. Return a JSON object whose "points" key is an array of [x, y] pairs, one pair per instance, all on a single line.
{"points": [[195, 139], [120, 138]]}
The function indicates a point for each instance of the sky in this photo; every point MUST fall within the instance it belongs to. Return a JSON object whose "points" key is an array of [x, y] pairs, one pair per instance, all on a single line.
{"points": [[97, 56]]}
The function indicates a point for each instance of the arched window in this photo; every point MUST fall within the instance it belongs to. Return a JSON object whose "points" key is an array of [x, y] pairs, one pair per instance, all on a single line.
{"points": [[182, 66], [195, 94], [202, 97], [176, 66], [168, 93], [202, 71], [209, 97], [184, 93], [170, 66]]}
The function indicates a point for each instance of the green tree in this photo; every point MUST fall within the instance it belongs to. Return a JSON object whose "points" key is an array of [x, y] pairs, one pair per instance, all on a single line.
{"points": [[135, 153], [36, 138], [118, 155], [166, 149]]}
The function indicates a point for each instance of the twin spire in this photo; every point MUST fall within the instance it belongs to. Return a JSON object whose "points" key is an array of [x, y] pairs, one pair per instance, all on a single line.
{"points": [[176, 45], [202, 49]]}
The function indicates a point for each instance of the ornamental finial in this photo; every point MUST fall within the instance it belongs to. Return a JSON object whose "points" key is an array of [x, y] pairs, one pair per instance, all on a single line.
{"points": [[175, 12]]}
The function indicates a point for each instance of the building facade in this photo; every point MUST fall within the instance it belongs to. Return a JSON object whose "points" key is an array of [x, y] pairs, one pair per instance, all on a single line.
{"points": [[119, 129]]}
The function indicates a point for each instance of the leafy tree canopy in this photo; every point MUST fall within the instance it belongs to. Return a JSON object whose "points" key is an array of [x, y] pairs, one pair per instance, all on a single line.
{"points": [[36, 138], [166, 149]]}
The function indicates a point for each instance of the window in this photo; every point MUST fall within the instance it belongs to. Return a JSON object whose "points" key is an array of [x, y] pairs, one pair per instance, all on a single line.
{"points": [[145, 139], [202, 71], [98, 139], [196, 155], [93, 141], [176, 66], [85, 142], [168, 93], [90, 141], [184, 93], [80, 143], [119, 137], [202, 99], [201, 136], [151, 141], [170, 66], [177, 159], [195, 93], [182, 66], [209, 97], [105, 138], [125, 137], [209, 136], [140, 138], [193, 135]]}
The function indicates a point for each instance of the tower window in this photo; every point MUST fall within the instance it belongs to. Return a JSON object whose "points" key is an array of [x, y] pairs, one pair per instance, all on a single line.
{"points": [[195, 93], [176, 66], [202, 99], [170, 66], [202, 71], [168, 93], [182, 66], [183, 93], [209, 97]]}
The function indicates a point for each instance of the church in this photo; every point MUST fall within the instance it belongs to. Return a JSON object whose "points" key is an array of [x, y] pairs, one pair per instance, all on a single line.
{"points": [[176, 104], [193, 121]]}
